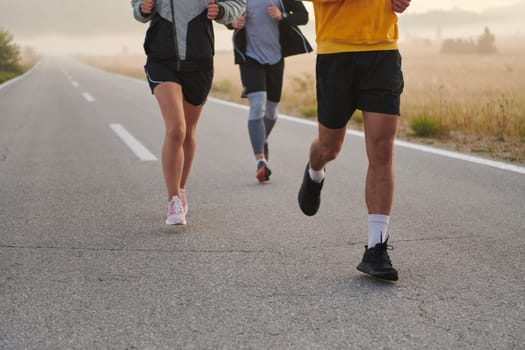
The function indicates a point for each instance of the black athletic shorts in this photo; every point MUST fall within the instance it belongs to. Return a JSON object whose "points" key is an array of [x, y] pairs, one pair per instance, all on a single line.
{"points": [[195, 85], [262, 77], [371, 81]]}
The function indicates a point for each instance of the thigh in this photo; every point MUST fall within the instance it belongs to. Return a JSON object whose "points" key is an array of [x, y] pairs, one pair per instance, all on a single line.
{"points": [[274, 81], [335, 89], [380, 132], [253, 76], [192, 114], [170, 99]]}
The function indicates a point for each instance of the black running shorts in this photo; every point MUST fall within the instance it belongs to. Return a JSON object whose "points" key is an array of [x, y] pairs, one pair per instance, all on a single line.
{"points": [[262, 77], [195, 85], [371, 81]]}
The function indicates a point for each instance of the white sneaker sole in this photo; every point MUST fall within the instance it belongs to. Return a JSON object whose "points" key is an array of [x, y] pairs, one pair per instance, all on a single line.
{"points": [[176, 222]]}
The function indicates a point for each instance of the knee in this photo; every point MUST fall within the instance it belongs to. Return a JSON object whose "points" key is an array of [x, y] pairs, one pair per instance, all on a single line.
{"points": [[330, 151], [176, 133], [189, 138], [381, 153], [271, 110], [257, 102], [381, 162]]}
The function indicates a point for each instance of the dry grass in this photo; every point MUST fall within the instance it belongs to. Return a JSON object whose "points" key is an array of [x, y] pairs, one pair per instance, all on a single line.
{"points": [[478, 101]]}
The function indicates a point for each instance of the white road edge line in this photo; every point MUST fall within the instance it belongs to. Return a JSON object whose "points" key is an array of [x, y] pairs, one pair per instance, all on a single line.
{"points": [[400, 143], [138, 148], [88, 97], [75, 84]]}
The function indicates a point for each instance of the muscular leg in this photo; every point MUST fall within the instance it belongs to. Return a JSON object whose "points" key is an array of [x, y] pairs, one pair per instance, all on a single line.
{"points": [[325, 148], [169, 97], [380, 131]]}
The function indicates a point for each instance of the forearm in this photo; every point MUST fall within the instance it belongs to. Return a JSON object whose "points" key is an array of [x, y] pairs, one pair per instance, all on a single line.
{"points": [[230, 10]]}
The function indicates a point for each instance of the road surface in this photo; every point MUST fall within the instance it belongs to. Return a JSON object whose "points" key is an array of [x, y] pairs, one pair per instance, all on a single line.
{"points": [[86, 261]]}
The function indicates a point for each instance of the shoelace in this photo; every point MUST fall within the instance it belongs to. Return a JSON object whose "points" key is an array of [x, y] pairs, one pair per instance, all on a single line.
{"points": [[175, 207], [383, 248], [382, 252]]}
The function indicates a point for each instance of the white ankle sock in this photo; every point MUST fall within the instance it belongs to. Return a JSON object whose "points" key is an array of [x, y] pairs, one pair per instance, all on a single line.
{"points": [[316, 175], [377, 229]]}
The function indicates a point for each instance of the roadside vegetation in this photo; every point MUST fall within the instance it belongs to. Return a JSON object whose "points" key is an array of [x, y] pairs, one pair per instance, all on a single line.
{"points": [[13, 61], [10, 65]]}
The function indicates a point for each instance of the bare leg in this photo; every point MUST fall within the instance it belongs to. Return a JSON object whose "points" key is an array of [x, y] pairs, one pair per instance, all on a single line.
{"points": [[192, 114], [326, 146], [169, 97], [380, 131]]}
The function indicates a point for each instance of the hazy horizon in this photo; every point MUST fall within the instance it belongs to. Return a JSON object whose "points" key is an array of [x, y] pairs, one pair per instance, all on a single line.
{"points": [[418, 6], [102, 27]]}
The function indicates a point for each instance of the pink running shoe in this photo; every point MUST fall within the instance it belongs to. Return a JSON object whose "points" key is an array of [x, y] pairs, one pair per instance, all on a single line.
{"points": [[176, 215], [263, 172], [183, 200]]}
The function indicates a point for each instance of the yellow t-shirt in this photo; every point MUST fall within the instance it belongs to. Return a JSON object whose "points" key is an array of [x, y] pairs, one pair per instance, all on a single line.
{"points": [[354, 25]]}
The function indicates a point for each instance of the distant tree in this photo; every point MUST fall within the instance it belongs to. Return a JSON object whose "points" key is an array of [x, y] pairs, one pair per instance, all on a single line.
{"points": [[483, 45], [9, 53], [486, 42], [463, 46]]}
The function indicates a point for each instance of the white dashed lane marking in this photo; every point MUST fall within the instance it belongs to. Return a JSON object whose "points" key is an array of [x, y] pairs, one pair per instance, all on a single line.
{"points": [[138, 148], [88, 97]]}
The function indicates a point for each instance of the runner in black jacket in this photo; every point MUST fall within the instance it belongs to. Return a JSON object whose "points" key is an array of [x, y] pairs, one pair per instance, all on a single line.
{"points": [[180, 45], [263, 36]]}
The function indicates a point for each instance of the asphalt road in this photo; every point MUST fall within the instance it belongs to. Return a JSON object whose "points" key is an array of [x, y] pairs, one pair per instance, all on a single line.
{"points": [[86, 261]]}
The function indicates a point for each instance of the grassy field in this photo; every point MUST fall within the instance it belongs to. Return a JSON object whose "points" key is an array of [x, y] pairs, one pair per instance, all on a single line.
{"points": [[470, 103]]}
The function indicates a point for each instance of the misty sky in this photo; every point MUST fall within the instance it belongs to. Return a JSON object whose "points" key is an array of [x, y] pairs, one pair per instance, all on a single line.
{"points": [[33, 17], [103, 24], [471, 5]]}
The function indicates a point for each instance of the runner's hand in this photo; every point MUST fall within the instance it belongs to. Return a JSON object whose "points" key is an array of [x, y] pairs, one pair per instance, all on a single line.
{"points": [[274, 11], [239, 22], [213, 10], [146, 7], [400, 6]]}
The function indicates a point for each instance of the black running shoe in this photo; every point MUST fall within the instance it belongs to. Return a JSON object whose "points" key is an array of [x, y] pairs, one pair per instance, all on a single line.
{"points": [[263, 172], [376, 262], [265, 151], [309, 194]]}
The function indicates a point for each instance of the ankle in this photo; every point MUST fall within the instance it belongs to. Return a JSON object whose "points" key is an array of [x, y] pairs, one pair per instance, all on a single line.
{"points": [[316, 175]]}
